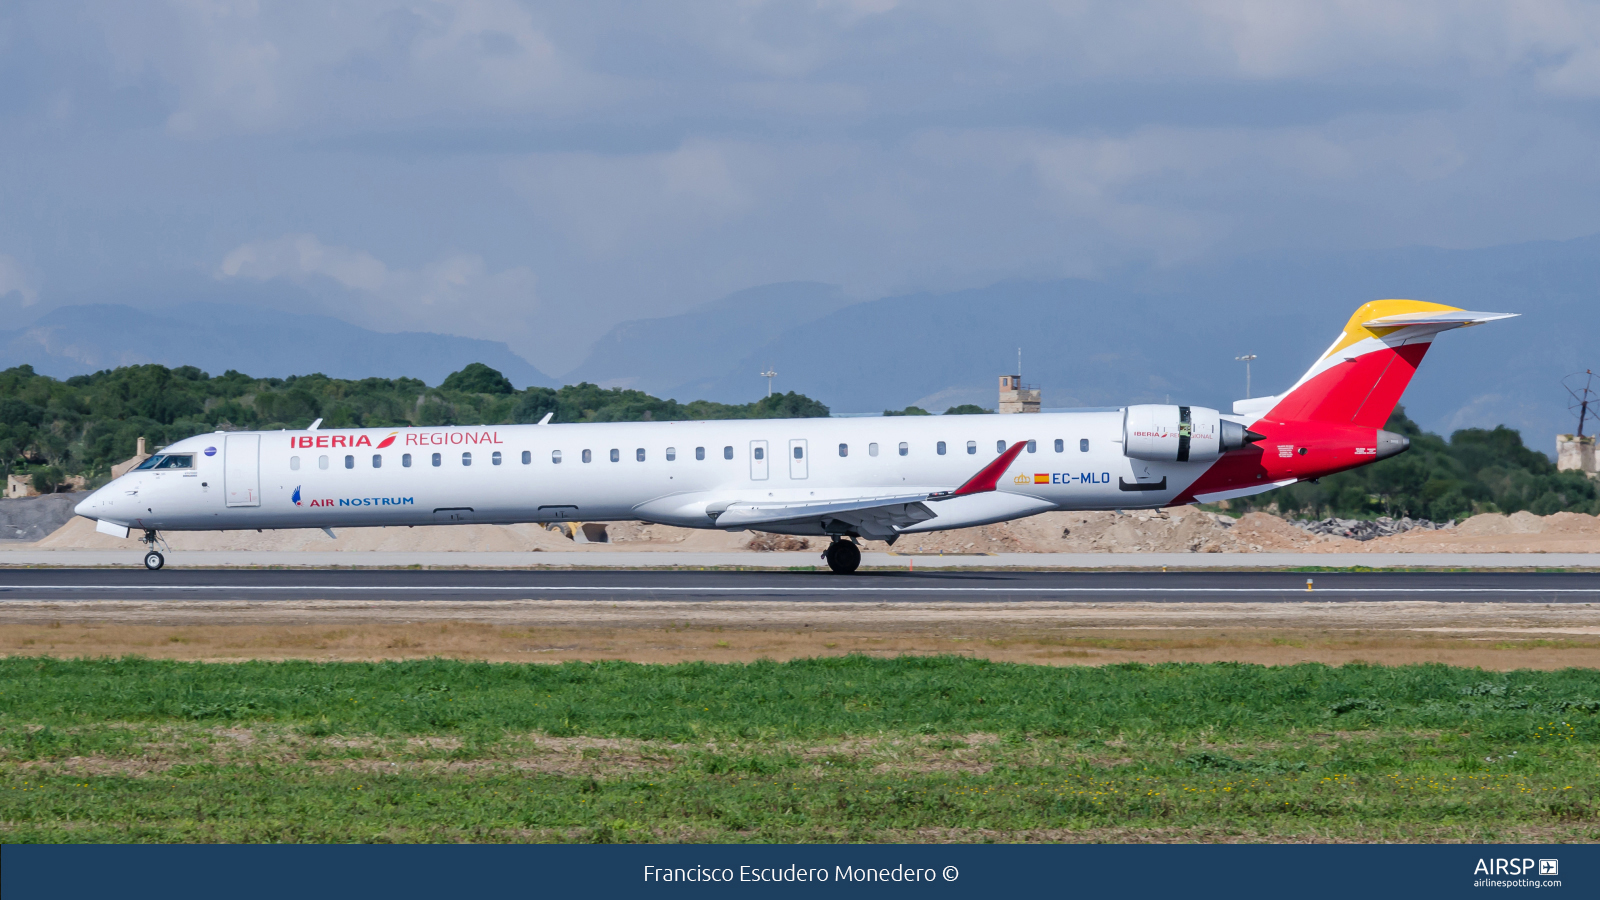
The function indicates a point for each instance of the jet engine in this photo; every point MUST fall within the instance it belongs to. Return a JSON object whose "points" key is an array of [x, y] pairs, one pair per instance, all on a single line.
{"points": [[1162, 433]]}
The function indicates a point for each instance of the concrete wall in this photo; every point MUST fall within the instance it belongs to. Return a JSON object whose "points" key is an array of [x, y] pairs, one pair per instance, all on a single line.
{"points": [[1576, 453]]}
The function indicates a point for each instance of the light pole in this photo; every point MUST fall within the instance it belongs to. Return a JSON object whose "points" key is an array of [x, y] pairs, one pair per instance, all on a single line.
{"points": [[769, 375], [1246, 360]]}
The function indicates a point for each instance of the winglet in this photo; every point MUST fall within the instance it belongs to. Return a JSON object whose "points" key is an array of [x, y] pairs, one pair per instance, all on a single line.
{"points": [[987, 477], [1450, 318]]}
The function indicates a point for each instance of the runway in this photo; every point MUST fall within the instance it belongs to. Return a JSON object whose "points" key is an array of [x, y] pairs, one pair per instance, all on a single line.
{"points": [[607, 556], [266, 586]]}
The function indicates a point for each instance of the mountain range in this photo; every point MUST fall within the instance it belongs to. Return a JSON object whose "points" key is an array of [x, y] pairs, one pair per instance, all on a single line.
{"points": [[266, 343], [1137, 336], [1170, 334]]}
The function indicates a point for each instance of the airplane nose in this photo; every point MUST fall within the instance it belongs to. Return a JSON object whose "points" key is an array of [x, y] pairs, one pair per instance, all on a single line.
{"points": [[88, 503]]}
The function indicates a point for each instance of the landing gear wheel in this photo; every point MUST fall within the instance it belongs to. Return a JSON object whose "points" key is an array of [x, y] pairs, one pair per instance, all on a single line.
{"points": [[154, 560], [843, 557]]}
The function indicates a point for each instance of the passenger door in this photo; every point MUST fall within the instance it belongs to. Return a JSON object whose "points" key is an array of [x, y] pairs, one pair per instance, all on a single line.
{"points": [[758, 460], [241, 469], [797, 459]]}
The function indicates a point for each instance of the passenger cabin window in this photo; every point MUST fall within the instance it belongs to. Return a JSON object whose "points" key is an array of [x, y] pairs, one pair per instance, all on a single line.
{"points": [[639, 454], [939, 447], [972, 448], [555, 457], [294, 463], [699, 453], [322, 462], [349, 462], [872, 449], [672, 453], [466, 458], [377, 460], [844, 449], [1083, 445], [405, 460], [527, 456], [616, 455], [999, 446], [438, 460], [494, 458], [1060, 445], [727, 452], [1033, 446], [588, 456], [904, 449]]}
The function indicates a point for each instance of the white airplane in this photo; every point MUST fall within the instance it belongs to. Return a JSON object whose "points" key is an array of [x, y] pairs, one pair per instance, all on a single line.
{"points": [[876, 478]]}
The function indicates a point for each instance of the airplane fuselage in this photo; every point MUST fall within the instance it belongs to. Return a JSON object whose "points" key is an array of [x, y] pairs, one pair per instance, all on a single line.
{"points": [[877, 477], [677, 473]]}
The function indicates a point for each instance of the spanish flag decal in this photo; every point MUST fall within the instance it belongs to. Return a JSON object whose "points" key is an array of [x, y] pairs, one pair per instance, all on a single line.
{"points": [[1041, 479]]}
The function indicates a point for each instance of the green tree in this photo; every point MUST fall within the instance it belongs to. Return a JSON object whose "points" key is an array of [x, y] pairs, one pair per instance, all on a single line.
{"points": [[1476, 470], [477, 378]]}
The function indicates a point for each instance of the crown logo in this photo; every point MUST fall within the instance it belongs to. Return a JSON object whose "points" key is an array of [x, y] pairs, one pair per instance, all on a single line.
{"points": [[1022, 478]]}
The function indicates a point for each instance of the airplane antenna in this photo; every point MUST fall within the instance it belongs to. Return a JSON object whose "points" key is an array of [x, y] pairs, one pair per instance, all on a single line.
{"points": [[1246, 360], [769, 375], [1585, 399]]}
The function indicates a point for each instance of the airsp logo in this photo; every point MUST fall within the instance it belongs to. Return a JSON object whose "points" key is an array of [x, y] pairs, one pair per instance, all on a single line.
{"points": [[1515, 867]]}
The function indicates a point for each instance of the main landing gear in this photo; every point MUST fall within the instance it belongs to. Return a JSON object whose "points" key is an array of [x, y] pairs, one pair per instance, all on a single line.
{"points": [[153, 560], [843, 556]]}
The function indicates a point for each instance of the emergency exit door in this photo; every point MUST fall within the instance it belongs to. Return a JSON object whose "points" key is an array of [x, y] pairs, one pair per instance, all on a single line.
{"points": [[797, 459], [241, 469], [758, 461]]}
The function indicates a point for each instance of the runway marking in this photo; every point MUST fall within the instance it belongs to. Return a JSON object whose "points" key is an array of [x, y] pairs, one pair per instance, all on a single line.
{"points": [[804, 590]]}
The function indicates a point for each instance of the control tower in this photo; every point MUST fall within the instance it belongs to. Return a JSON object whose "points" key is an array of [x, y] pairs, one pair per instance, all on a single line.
{"points": [[1016, 397]]}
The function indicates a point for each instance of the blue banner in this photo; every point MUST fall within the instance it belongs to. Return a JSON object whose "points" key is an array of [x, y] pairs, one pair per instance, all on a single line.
{"points": [[668, 870]]}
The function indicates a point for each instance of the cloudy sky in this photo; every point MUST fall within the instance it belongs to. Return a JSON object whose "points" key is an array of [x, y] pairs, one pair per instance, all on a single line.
{"points": [[536, 172]]}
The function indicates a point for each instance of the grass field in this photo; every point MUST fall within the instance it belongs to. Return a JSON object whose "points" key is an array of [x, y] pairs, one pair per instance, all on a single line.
{"points": [[837, 749]]}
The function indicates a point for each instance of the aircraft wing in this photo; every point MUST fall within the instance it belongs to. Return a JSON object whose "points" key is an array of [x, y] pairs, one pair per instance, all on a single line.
{"points": [[879, 516], [870, 515]]}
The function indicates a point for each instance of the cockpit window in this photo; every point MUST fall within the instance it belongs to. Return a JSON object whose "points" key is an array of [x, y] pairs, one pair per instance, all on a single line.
{"points": [[150, 463], [175, 461]]}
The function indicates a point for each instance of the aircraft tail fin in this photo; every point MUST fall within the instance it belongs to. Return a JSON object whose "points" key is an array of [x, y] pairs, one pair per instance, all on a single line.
{"points": [[1360, 378]]}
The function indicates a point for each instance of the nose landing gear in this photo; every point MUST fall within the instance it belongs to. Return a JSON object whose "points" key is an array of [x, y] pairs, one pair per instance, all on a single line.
{"points": [[153, 560], [843, 556]]}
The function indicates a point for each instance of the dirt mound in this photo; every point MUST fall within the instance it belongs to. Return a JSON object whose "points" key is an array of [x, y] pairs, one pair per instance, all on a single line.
{"points": [[762, 542], [1179, 530], [32, 518], [1521, 532], [1486, 524], [79, 534]]}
